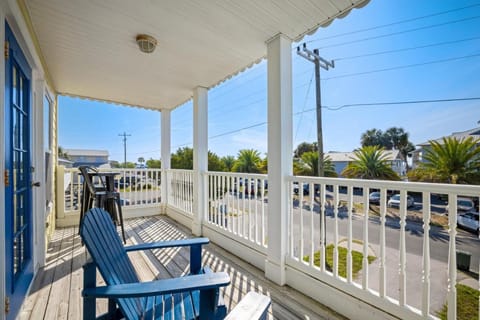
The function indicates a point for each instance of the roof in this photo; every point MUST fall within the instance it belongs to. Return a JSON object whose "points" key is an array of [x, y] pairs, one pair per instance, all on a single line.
{"points": [[89, 50], [86, 153], [349, 156], [475, 133]]}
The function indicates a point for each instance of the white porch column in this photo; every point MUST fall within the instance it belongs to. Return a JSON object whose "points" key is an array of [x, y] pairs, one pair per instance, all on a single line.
{"points": [[200, 156], [279, 57], [166, 134]]}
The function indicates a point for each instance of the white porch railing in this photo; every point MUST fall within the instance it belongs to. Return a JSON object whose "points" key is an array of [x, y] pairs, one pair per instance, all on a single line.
{"points": [[331, 220], [237, 206], [332, 215], [140, 192], [180, 190]]}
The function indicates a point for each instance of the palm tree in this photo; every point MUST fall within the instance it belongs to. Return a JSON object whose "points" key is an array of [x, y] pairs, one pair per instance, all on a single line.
{"points": [[248, 160], [309, 165], [374, 137], [399, 141], [228, 161], [453, 161], [370, 163]]}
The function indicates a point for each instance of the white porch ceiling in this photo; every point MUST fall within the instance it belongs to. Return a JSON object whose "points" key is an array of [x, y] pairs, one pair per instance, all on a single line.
{"points": [[90, 51]]}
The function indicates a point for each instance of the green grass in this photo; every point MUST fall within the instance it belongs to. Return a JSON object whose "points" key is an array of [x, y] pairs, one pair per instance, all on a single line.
{"points": [[467, 304], [357, 258]]}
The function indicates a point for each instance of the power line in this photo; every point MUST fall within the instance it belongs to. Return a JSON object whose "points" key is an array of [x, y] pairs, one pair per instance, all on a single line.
{"points": [[402, 67], [388, 103], [406, 49], [399, 32], [393, 23], [336, 108], [304, 104]]}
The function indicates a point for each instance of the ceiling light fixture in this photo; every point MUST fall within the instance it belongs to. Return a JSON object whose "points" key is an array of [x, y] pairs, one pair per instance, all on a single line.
{"points": [[146, 43]]}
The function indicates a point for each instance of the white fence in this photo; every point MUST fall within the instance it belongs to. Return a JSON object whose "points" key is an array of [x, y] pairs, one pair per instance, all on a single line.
{"points": [[180, 190], [335, 231], [237, 205]]}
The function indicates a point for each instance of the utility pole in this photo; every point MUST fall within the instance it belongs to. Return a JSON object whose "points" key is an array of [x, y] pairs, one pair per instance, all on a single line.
{"points": [[124, 135], [313, 56]]}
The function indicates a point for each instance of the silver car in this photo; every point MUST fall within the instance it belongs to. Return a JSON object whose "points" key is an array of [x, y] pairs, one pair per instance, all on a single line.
{"points": [[468, 220], [395, 201]]}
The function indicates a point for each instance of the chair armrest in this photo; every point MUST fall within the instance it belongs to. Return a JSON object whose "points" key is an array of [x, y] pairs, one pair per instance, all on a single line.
{"points": [[195, 245], [168, 244], [253, 306], [159, 287]]}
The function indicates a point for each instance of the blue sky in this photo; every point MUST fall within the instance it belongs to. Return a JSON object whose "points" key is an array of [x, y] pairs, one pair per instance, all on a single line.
{"points": [[441, 39]]}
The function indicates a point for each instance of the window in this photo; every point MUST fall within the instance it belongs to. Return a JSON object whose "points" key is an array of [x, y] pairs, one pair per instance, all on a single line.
{"points": [[47, 142]]}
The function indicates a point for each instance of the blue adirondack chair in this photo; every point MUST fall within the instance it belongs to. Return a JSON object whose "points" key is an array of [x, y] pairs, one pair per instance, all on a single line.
{"points": [[195, 296]]}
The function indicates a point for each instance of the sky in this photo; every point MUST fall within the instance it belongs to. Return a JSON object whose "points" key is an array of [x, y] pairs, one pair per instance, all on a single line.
{"points": [[386, 54]]}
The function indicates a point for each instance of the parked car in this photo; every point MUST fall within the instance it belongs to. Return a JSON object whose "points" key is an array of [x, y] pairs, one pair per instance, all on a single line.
{"points": [[468, 220], [463, 205], [374, 198], [395, 201]]}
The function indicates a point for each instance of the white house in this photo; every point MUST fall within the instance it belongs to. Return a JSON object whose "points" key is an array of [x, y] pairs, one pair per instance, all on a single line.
{"points": [[94, 158], [342, 159], [417, 155]]}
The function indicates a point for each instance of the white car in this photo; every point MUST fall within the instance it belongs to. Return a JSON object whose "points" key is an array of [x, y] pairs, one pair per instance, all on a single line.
{"points": [[395, 201], [468, 220], [463, 205]]}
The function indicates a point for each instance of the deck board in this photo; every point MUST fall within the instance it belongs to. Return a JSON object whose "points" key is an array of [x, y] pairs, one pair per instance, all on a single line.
{"points": [[56, 291]]}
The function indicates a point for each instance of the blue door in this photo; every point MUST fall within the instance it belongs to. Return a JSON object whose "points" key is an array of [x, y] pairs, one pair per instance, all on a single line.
{"points": [[18, 206]]}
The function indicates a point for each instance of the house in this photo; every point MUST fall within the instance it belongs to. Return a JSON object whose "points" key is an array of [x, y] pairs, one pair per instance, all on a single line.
{"points": [[98, 50], [341, 159], [84, 157], [417, 155]]}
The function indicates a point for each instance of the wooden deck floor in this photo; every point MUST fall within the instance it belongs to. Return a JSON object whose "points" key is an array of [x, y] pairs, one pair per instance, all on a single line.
{"points": [[56, 291]]}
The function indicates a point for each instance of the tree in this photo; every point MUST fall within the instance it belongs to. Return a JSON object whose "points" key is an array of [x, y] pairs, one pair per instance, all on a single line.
{"points": [[115, 164], [215, 163], [399, 140], [309, 165], [228, 162], [374, 137], [248, 161], [62, 153], [451, 161], [128, 165], [394, 138], [182, 159], [305, 147], [370, 163], [154, 164]]}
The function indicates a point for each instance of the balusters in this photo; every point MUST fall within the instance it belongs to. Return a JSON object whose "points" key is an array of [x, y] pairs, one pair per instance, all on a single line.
{"points": [[292, 232], [300, 238], [366, 208], [452, 258], [248, 186], [383, 213], [263, 242], [426, 254], [336, 202], [349, 234], [312, 226], [322, 226], [403, 254], [256, 210]]}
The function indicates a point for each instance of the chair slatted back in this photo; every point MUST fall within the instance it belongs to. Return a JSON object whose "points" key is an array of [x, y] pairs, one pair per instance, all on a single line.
{"points": [[86, 177], [105, 246]]}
